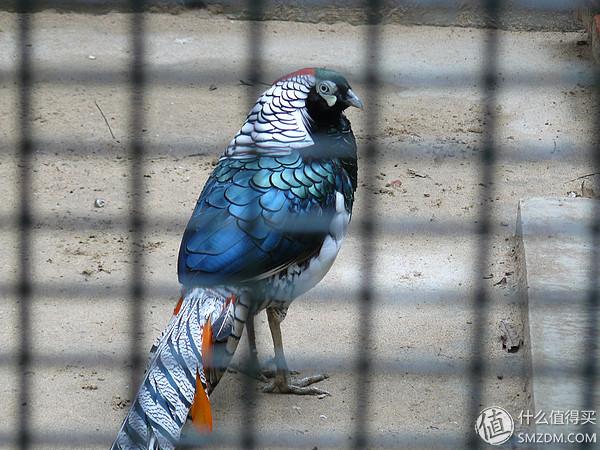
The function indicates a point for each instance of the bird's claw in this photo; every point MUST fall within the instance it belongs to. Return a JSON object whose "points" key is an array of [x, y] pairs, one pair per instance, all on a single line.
{"points": [[268, 372], [284, 385], [261, 373], [252, 372]]}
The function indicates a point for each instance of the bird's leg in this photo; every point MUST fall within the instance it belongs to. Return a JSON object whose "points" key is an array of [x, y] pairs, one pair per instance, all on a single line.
{"points": [[252, 367], [256, 370], [254, 364], [282, 382]]}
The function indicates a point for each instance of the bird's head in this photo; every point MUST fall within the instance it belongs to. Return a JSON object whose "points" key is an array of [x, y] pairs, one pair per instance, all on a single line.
{"points": [[330, 93], [295, 112]]}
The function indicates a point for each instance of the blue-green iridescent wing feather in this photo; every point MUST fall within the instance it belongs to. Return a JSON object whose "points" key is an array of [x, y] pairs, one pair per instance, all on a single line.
{"points": [[256, 217]]}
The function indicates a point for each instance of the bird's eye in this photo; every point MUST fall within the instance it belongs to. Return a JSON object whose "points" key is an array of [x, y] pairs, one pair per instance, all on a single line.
{"points": [[324, 88]]}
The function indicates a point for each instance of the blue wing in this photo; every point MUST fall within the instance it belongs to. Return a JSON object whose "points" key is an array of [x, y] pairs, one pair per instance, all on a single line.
{"points": [[254, 218]]}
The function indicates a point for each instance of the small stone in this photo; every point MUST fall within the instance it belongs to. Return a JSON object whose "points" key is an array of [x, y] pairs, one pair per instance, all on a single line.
{"points": [[394, 184], [119, 403], [510, 337], [413, 173], [323, 417], [99, 203], [92, 57]]}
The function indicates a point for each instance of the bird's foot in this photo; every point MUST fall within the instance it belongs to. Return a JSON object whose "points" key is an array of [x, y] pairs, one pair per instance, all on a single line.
{"points": [[254, 369], [269, 370], [282, 384]]}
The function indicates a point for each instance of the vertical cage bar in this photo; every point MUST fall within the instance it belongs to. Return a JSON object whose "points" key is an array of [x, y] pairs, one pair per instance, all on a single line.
{"points": [[136, 207], [24, 75], [369, 164], [254, 75], [590, 371], [484, 228], [255, 39]]}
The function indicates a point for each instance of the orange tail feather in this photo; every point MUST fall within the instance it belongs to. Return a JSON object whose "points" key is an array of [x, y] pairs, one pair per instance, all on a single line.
{"points": [[200, 411]]}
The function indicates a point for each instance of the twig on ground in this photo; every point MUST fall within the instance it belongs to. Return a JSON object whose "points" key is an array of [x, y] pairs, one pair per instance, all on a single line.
{"points": [[584, 176], [105, 120], [247, 83]]}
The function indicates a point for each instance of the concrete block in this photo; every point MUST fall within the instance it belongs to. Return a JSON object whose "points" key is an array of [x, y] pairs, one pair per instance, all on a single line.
{"points": [[586, 13], [595, 34], [555, 253]]}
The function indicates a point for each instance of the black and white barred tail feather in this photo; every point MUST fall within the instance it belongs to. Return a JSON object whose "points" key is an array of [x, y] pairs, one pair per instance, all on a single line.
{"points": [[161, 407]]}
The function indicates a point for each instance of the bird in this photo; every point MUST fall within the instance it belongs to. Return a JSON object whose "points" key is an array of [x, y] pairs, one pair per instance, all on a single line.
{"points": [[266, 228]]}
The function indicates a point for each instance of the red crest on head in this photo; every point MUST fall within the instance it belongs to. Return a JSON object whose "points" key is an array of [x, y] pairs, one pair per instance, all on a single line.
{"points": [[306, 71]]}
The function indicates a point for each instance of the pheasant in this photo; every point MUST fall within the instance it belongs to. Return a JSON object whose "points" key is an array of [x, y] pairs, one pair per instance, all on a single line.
{"points": [[267, 227]]}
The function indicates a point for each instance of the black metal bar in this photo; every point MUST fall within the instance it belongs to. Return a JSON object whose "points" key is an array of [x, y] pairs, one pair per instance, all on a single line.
{"points": [[406, 78], [64, 147], [592, 350], [222, 439], [400, 297], [488, 159], [254, 74], [79, 223], [370, 164], [136, 206], [415, 363], [25, 221]]}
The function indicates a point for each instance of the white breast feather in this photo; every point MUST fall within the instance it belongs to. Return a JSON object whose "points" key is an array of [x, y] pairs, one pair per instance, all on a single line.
{"points": [[299, 281]]}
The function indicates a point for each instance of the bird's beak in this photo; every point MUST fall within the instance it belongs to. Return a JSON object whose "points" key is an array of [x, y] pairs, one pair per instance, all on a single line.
{"points": [[353, 100]]}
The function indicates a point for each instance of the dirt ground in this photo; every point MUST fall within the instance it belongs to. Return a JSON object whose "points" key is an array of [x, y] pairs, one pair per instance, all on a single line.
{"points": [[426, 198]]}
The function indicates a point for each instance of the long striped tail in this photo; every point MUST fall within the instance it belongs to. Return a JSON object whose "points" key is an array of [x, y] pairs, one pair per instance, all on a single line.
{"points": [[185, 365]]}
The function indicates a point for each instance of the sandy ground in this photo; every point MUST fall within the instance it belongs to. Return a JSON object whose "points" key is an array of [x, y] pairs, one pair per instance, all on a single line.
{"points": [[426, 194]]}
